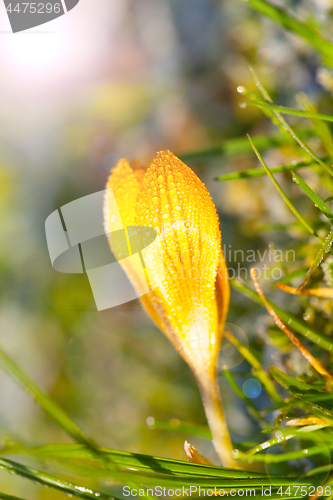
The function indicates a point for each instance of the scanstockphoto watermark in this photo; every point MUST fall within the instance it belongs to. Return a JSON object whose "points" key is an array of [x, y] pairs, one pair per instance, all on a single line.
{"points": [[187, 491], [24, 15], [291, 490]]}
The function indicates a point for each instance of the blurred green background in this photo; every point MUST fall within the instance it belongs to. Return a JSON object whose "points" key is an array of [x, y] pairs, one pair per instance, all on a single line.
{"points": [[144, 75]]}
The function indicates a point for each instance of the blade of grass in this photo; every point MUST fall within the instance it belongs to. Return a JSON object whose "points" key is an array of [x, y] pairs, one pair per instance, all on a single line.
{"points": [[290, 111], [175, 425], [320, 255], [258, 370], [291, 320], [284, 435], [240, 394], [252, 97], [4, 496], [283, 194], [291, 455], [318, 202], [291, 131], [289, 277], [51, 481], [306, 402], [295, 386], [57, 414], [156, 478], [281, 17], [322, 129], [43, 400], [127, 460], [239, 146], [260, 172], [220, 477], [314, 362]]}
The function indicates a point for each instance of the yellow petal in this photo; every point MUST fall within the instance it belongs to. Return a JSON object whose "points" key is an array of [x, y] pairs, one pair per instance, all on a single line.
{"points": [[125, 183], [176, 203]]}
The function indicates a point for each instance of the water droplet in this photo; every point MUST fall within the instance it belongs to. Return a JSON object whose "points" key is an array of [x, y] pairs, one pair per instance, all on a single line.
{"points": [[240, 89], [243, 105], [150, 421], [306, 316]]}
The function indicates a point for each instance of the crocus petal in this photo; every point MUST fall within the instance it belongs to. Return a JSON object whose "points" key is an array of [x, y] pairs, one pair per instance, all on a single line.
{"points": [[125, 181], [124, 185], [176, 203]]}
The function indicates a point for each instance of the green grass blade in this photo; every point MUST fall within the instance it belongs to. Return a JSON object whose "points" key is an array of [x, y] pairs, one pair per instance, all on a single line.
{"points": [[230, 148], [319, 470], [308, 395], [175, 425], [42, 399], [140, 462], [203, 475], [281, 17], [321, 127], [51, 409], [318, 202], [257, 370], [267, 383], [292, 321], [319, 257], [293, 385], [4, 496], [290, 111], [311, 402], [260, 172], [289, 277], [267, 458], [284, 435], [51, 481], [289, 203], [240, 394], [291, 131]]}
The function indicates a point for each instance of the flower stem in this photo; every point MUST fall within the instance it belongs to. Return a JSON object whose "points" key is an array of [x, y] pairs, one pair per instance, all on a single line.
{"points": [[211, 398]]}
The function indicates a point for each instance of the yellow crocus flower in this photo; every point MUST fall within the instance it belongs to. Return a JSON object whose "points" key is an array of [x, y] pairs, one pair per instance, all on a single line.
{"points": [[189, 292]]}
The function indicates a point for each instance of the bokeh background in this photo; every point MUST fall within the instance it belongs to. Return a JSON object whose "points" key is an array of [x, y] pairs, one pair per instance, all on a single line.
{"points": [[128, 78]]}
